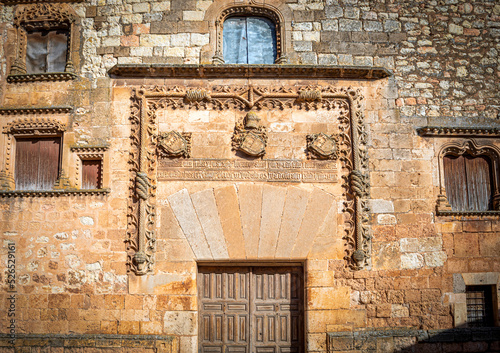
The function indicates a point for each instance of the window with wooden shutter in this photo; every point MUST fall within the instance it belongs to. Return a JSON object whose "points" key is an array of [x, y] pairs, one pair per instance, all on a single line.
{"points": [[468, 182], [91, 174], [37, 163], [249, 40]]}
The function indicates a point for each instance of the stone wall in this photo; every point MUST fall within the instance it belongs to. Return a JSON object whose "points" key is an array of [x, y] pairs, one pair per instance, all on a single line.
{"points": [[72, 250]]}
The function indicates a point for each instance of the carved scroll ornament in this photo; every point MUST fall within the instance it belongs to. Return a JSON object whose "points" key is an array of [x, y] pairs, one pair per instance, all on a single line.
{"points": [[351, 144]]}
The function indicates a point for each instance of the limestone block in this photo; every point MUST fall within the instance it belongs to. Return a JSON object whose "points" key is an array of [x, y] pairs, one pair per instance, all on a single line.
{"points": [[320, 278], [250, 199], [293, 212], [186, 216], [169, 227], [435, 259], [328, 244], [328, 298], [398, 310], [412, 261], [206, 209], [317, 320], [318, 206], [229, 214], [273, 200], [381, 206], [180, 323]]}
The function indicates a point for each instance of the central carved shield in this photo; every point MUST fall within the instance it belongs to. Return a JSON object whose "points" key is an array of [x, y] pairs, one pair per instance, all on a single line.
{"points": [[253, 144]]}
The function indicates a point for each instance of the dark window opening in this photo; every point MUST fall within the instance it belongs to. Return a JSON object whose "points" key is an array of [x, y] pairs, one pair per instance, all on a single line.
{"points": [[91, 174], [480, 306], [37, 163], [46, 51], [249, 40], [468, 182]]}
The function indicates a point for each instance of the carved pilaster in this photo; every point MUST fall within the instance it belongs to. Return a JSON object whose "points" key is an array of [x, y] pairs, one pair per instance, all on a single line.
{"points": [[6, 181]]}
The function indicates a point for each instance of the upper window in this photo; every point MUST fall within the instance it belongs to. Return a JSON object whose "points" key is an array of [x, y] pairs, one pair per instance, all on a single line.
{"points": [[249, 40], [91, 174], [37, 163], [249, 34], [468, 182], [46, 51], [45, 48]]}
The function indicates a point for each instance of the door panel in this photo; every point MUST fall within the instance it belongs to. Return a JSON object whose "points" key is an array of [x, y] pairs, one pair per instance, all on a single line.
{"points": [[251, 309]]}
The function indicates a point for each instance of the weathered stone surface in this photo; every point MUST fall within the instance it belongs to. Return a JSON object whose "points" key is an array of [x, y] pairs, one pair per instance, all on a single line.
{"points": [[250, 202], [291, 219], [273, 200], [186, 215], [206, 209], [229, 213]]}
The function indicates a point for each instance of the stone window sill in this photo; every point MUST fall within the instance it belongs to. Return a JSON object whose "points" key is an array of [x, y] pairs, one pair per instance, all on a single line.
{"points": [[50, 76], [52, 193], [469, 213]]}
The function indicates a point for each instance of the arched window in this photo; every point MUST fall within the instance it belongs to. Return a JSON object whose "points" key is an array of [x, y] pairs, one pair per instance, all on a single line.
{"points": [[249, 35], [469, 178], [249, 40]]}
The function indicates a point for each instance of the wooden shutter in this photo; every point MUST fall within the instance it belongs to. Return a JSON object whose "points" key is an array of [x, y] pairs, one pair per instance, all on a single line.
{"points": [[91, 174], [467, 182], [37, 163]]}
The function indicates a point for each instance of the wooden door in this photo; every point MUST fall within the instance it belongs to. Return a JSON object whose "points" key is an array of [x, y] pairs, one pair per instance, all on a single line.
{"points": [[251, 309]]}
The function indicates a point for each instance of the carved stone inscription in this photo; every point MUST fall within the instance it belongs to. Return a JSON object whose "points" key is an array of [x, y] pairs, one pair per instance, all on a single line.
{"points": [[288, 170]]}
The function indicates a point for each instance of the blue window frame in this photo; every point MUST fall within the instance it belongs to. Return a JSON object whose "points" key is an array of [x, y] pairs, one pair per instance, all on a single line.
{"points": [[249, 40]]}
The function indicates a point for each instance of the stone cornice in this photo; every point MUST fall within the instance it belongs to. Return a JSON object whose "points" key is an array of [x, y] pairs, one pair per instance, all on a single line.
{"points": [[53, 193], [89, 148], [15, 2], [435, 131], [469, 213], [32, 110], [52, 76], [249, 71]]}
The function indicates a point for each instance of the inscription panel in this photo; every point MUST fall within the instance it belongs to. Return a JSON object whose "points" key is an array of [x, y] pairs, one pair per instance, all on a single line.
{"points": [[273, 170]]}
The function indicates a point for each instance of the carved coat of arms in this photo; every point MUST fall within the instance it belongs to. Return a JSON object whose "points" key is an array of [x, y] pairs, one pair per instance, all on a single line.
{"points": [[249, 137], [174, 144], [322, 146]]}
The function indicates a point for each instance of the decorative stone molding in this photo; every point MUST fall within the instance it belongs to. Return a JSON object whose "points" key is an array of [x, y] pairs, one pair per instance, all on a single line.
{"points": [[42, 15], [322, 146], [29, 110], [469, 146], [14, 2], [53, 193], [249, 137], [352, 142], [89, 149], [6, 181], [251, 9], [34, 126], [433, 131], [174, 144], [249, 71]]}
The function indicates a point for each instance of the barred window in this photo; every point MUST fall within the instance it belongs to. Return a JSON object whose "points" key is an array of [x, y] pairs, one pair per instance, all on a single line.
{"points": [[480, 306]]}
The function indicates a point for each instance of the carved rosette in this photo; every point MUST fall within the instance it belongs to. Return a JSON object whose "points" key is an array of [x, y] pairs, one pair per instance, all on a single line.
{"points": [[174, 144], [250, 138], [322, 146]]}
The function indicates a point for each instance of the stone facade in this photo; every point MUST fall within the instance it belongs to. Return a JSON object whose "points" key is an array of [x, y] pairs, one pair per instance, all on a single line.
{"points": [[393, 86]]}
